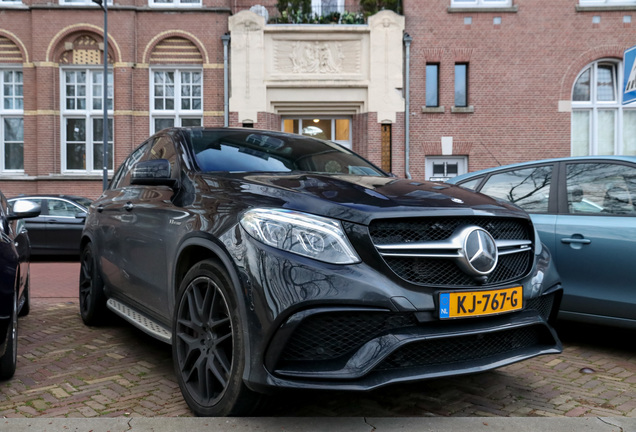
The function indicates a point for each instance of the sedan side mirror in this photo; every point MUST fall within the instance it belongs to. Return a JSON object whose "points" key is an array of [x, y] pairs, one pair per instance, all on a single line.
{"points": [[154, 172], [22, 209]]}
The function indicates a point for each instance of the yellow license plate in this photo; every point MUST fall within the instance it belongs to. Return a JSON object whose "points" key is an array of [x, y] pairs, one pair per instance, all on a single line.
{"points": [[479, 303]]}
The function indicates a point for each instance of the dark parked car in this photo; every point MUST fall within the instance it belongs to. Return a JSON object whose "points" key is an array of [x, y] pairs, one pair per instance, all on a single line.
{"points": [[271, 260], [585, 211], [14, 279], [58, 229]]}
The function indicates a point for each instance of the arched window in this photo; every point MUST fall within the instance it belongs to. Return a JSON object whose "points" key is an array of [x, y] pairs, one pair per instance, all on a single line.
{"points": [[601, 124]]}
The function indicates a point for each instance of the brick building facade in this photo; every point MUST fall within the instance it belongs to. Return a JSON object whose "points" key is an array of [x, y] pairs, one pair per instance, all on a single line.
{"points": [[521, 69]]}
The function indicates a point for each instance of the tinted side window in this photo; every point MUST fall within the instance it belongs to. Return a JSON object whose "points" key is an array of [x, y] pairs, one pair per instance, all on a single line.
{"points": [[601, 188], [472, 183], [529, 188], [61, 208]]}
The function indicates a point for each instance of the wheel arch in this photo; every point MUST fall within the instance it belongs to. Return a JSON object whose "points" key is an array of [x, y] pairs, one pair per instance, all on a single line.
{"points": [[200, 248]]}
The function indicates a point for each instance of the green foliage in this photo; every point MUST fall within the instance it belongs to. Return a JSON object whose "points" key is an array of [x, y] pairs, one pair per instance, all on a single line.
{"points": [[370, 7], [300, 12]]}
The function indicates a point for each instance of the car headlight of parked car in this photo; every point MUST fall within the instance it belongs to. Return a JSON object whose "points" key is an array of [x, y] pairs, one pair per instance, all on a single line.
{"points": [[300, 233]]}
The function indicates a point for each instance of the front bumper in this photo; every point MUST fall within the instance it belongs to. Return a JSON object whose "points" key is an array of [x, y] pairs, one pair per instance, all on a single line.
{"points": [[320, 326], [364, 349]]}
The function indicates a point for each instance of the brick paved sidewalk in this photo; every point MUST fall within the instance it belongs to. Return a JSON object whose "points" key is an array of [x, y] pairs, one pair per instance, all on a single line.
{"points": [[66, 369]]}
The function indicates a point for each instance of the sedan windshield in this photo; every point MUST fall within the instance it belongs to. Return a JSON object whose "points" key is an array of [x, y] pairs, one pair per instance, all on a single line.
{"points": [[253, 151]]}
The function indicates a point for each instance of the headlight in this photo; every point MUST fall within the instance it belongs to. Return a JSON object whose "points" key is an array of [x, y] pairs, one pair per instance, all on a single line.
{"points": [[312, 236]]}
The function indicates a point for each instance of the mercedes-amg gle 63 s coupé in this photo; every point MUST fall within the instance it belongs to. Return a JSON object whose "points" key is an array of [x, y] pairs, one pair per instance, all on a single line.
{"points": [[277, 261]]}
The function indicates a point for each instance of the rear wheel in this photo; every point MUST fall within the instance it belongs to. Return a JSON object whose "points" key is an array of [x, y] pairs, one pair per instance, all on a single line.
{"points": [[9, 359], [92, 300], [208, 345]]}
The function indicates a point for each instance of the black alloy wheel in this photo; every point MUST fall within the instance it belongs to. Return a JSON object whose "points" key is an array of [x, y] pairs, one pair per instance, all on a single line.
{"points": [[92, 300], [9, 359], [208, 346]]}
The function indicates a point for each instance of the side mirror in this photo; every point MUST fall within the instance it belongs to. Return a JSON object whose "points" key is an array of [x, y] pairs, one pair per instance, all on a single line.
{"points": [[22, 209], [80, 215], [154, 172]]}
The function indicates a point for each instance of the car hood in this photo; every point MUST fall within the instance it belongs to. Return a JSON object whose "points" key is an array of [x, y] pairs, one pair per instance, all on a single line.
{"points": [[358, 198]]}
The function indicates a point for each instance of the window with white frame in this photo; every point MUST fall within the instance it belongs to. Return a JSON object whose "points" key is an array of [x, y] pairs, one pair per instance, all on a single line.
{"points": [[607, 2], [10, 2], [601, 124], [82, 120], [441, 168], [175, 3], [480, 3], [12, 121], [177, 98], [325, 7]]}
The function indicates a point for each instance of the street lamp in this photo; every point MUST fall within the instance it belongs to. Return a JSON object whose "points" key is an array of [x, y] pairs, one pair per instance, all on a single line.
{"points": [[104, 5]]}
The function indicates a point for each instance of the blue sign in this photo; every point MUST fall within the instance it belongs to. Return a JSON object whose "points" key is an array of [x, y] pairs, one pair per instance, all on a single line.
{"points": [[444, 305], [629, 90]]}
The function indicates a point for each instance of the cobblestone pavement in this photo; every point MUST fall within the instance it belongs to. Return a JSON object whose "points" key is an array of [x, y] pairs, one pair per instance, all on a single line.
{"points": [[66, 369]]}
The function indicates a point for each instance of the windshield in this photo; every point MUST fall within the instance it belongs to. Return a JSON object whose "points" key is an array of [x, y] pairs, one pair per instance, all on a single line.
{"points": [[257, 151]]}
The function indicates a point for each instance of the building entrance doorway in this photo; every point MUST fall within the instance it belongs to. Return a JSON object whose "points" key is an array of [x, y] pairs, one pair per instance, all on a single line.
{"points": [[336, 129]]}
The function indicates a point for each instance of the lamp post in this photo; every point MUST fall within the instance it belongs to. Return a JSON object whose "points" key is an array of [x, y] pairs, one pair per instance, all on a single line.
{"points": [[104, 5]]}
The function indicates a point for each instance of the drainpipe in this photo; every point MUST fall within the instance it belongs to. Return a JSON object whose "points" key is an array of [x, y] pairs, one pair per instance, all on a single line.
{"points": [[226, 91], [407, 114]]}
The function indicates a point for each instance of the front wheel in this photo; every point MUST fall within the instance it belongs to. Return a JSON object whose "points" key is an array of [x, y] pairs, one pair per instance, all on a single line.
{"points": [[208, 346], [92, 300], [9, 359]]}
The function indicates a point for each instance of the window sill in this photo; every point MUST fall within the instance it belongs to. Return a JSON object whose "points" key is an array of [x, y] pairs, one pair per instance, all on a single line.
{"points": [[477, 9], [15, 175], [463, 110], [13, 6], [600, 8], [433, 110]]}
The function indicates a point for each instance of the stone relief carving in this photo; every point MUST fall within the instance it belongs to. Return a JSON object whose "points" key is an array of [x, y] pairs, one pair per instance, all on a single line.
{"points": [[317, 57]]}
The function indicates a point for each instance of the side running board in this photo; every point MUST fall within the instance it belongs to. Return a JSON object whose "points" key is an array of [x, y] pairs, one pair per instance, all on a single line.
{"points": [[140, 321]]}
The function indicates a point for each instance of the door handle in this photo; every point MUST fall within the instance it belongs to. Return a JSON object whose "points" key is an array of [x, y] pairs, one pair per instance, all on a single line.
{"points": [[100, 208], [129, 206], [576, 240]]}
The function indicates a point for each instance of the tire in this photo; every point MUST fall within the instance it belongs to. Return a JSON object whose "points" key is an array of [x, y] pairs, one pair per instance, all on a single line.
{"points": [[25, 309], [9, 359], [92, 300], [208, 346]]}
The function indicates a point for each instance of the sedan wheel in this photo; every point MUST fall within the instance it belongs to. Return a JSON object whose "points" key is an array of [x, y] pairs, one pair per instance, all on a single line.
{"points": [[208, 346], [9, 360], [92, 300]]}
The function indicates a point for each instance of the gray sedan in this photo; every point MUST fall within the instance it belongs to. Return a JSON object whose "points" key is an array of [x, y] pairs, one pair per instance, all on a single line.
{"points": [[585, 211], [58, 229]]}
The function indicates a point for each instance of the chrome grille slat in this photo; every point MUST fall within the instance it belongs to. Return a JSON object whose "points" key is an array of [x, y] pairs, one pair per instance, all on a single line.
{"points": [[423, 251]]}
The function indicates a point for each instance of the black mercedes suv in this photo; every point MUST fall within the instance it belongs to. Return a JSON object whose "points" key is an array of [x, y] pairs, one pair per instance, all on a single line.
{"points": [[270, 260]]}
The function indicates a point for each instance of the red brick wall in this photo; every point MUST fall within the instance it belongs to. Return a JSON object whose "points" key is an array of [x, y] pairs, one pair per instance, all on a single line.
{"points": [[518, 72], [133, 33]]}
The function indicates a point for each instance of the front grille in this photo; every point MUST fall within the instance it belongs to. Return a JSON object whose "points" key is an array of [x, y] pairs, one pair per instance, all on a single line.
{"points": [[434, 229], [332, 335], [444, 272], [543, 305], [467, 348], [335, 335]]}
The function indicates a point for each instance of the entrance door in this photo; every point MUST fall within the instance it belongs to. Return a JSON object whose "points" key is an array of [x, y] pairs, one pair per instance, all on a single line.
{"points": [[336, 129]]}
